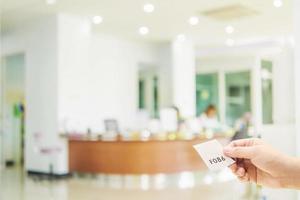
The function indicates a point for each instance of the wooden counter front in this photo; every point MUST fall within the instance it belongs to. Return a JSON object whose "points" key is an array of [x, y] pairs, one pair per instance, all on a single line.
{"points": [[133, 157]]}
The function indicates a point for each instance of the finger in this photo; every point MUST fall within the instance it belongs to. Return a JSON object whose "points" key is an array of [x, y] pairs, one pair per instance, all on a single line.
{"points": [[244, 178], [243, 142], [240, 172], [233, 167], [240, 152]]}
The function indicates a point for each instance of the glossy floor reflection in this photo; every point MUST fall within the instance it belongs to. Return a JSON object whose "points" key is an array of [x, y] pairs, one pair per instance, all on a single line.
{"points": [[15, 185]]}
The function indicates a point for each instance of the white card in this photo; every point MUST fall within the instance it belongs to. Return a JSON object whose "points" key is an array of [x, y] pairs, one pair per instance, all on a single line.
{"points": [[211, 153]]}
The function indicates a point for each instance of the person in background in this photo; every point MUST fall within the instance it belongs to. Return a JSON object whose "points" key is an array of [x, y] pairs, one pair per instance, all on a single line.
{"points": [[242, 126], [209, 119], [180, 120]]}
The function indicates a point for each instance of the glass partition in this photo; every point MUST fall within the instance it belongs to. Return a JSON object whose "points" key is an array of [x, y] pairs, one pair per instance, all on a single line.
{"points": [[267, 91], [206, 91], [155, 98], [238, 95], [148, 89], [141, 94]]}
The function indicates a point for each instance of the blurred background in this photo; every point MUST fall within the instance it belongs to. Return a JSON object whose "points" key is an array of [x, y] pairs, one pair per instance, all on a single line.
{"points": [[103, 99]]}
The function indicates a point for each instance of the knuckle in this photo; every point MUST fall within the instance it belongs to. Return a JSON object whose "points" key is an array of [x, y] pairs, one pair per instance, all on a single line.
{"points": [[236, 151]]}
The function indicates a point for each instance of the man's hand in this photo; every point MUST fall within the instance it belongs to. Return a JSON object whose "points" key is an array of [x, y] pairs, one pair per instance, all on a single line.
{"points": [[258, 162]]}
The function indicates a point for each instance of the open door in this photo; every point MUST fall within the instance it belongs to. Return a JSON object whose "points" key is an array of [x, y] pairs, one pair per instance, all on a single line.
{"points": [[12, 109]]}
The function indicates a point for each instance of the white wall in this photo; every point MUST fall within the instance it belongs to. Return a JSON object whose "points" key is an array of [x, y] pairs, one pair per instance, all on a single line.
{"points": [[297, 72], [75, 80], [38, 41], [296, 20], [118, 68], [183, 77], [283, 95], [13, 86], [165, 66], [212, 64], [98, 77], [281, 134]]}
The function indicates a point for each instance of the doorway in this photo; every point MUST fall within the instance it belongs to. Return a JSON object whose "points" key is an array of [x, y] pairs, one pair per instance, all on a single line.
{"points": [[13, 109]]}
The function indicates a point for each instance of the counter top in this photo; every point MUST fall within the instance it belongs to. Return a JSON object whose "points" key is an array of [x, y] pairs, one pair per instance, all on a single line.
{"points": [[135, 157]]}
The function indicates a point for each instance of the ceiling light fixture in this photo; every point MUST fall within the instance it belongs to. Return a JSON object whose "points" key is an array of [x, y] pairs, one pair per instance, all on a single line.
{"points": [[148, 8], [229, 42], [194, 20], [277, 3], [50, 2], [143, 30], [229, 29], [97, 19]]}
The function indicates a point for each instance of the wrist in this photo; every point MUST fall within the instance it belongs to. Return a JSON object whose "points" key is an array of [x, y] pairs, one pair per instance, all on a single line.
{"points": [[290, 178]]}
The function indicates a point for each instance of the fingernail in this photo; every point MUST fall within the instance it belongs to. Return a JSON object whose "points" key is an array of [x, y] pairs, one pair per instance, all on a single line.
{"points": [[240, 172]]}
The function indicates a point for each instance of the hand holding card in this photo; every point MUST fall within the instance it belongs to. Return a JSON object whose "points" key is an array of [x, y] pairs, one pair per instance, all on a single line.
{"points": [[211, 153]]}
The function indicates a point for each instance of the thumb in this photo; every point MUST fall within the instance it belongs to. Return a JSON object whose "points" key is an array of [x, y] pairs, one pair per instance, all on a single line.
{"points": [[240, 152]]}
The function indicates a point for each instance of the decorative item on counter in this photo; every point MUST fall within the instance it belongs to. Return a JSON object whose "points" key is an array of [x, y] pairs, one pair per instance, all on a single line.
{"points": [[145, 135], [135, 135], [169, 119], [172, 136], [180, 135], [185, 132], [90, 135], [209, 133], [75, 136], [109, 136], [154, 126], [161, 136], [193, 125], [126, 135]]}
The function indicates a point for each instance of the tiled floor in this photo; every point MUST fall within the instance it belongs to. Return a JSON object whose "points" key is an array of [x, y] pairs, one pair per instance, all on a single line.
{"points": [[15, 185]]}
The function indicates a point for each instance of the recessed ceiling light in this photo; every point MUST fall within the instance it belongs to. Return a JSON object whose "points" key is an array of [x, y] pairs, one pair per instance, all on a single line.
{"points": [[229, 29], [229, 42], [143, 30], [50, 2], [97, 19], [181, 37], [148, 8], [194, 20], [277, 3]]}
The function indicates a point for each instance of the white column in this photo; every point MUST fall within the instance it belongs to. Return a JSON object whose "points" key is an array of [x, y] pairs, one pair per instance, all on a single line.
{"points": [[297, 74], [183, 77], [222, 96], [165, 75], [41, 94], [73, 69], [297, 70], [256, 95]]}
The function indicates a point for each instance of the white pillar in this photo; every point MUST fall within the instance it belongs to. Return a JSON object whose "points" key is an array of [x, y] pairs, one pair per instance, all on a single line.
{"points": [[183, 77], [297, 70], [41, 93], [297, 74], [165, 75], [256, 95], [73, 67], [222, 96]]}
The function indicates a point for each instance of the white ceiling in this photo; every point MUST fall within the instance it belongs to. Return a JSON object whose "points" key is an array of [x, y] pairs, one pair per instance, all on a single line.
{"points": [[124, 17]]}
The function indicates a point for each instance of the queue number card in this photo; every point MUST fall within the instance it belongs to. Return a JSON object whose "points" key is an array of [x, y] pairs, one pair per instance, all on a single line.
{"points": [[211, 153]]}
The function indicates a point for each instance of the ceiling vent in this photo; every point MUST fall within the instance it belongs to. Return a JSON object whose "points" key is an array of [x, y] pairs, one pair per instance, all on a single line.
{"points": [[230, 12]]}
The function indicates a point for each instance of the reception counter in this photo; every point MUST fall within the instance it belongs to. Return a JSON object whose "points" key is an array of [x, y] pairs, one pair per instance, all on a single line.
{"points": [[134, 157]]}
